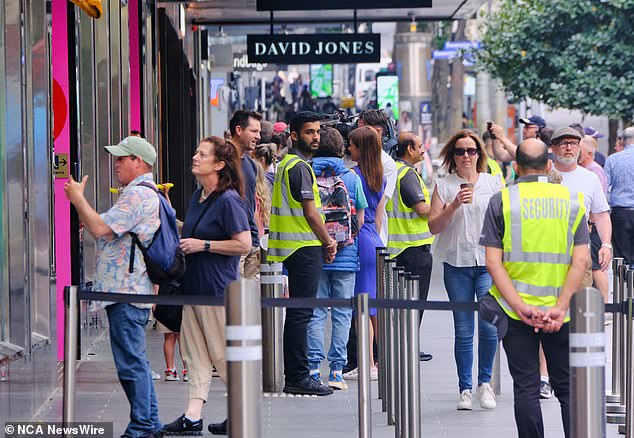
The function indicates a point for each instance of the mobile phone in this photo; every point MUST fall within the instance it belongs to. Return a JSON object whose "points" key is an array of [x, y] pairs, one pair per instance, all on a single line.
{"points": [[489, 126]]}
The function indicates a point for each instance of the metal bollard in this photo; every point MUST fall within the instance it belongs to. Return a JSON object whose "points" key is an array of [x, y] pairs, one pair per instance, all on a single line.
{"points": [[70, 352], [404, 284], [363, 362], [628, 427], [380, 319], [616, 412], [271, 283], [587, 364], [413, 364], [398, 340], [390, 335], [244, 356], [617, 330]]}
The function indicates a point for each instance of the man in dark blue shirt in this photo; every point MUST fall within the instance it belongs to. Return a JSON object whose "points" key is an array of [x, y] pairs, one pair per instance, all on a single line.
{"points": [[244, 127]]}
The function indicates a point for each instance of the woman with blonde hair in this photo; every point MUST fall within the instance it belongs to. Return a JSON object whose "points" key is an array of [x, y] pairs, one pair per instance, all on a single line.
{"points": [[264, 154], [262, 200], [365, 149], [458, 206]]}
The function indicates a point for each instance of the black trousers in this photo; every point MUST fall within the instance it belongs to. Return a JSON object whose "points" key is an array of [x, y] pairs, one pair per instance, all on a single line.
{"points": [[304, 269], [417, 260], [623, 233], [521, 344]]}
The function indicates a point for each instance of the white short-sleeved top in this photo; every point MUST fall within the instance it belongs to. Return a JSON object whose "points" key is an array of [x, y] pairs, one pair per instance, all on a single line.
{"points": [[587, 182], [458, 244]]}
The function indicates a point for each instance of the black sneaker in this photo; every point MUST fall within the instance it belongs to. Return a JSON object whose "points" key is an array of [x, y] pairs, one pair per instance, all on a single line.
{"points": [[422, 356], [218, 428], [184, 426], [307, 386]]}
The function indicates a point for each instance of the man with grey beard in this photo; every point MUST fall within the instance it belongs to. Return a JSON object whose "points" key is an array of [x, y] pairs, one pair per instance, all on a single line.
{"points": [[566, 147]]}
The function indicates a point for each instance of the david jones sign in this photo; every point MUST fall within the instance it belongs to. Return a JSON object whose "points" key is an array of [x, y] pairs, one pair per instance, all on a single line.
{"points": [[294, 5], [314, 49]]}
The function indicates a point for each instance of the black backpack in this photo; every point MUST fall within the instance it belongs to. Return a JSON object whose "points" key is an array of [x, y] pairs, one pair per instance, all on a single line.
{"points": [[164, 260]]}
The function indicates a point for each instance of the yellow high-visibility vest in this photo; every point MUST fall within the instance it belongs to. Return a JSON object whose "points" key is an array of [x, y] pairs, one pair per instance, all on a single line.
{"points": [[289, 229], [405, 227], [540, 221], [496, 170]]}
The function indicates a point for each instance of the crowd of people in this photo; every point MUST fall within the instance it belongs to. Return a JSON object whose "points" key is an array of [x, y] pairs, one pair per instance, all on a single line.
{"points": [[520, 243]]}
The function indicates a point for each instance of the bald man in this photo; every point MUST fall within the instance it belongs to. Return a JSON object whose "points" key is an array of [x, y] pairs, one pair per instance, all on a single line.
{"points": [[538, 214]]}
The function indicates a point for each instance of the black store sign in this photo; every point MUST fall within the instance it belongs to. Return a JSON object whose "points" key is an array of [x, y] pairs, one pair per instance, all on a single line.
{"points": [[294, 5], [314, 48]]}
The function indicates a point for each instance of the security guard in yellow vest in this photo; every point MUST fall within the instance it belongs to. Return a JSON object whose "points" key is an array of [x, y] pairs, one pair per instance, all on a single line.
{"points": [[409, 238], [298, 237], [536, 251]]}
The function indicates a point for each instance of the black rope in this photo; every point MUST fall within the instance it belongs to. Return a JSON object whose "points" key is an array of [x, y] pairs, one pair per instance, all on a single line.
{"points": [[292, 303]]}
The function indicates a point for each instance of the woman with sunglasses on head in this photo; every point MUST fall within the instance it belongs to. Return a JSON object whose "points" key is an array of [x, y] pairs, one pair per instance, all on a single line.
{"points": [[458, 206]]}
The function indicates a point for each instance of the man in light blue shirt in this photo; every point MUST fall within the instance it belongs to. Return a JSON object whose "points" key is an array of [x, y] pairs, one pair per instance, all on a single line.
{"points": [[620, 180]]}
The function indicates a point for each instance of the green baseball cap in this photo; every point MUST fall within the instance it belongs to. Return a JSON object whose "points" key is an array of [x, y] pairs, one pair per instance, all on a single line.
{"points": [[136, 146]]}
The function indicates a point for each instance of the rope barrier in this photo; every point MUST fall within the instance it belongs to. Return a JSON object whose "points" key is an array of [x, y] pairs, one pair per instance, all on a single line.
{"points": [[294, 303]]}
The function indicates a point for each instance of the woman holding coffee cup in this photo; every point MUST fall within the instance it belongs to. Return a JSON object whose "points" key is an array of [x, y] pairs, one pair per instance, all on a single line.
{"points": [[458, 206]]}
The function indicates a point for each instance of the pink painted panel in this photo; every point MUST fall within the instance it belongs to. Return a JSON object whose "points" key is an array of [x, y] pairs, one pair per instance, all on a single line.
{"points": [[61, 143], [135, 66]]}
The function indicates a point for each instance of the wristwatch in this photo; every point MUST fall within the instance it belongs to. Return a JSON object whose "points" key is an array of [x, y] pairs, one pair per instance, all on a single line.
{"points": [[207, 245], [606, 245]]}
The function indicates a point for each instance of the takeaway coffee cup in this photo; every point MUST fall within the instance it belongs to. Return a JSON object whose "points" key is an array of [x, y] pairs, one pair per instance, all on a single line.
{"points": [[470, 187]]}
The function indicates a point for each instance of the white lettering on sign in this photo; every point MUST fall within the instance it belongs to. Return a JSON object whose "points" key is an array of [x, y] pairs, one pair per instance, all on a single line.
{"points": [[260, 49], [242, 62], [303, 48]]}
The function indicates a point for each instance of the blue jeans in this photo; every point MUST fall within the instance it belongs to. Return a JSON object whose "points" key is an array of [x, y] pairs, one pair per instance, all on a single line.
{"points": [[127, 339], [332, 284], [463, 284]]}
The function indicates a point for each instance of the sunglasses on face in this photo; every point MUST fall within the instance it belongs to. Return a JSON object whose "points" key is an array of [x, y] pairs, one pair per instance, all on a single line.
{"points": [[470, 151]]}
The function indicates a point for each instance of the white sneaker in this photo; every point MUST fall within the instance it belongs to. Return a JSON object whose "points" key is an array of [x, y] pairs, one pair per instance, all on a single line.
{"points": [[464, 402], [155, 375], [487, 396], [352, 374]]}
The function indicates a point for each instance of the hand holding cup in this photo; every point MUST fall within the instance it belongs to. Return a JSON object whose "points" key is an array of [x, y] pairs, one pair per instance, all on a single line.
{"points": [[466, 193]]}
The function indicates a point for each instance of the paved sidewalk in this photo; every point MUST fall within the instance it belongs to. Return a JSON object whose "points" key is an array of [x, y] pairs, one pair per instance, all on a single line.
{"points": [[100, 397]]}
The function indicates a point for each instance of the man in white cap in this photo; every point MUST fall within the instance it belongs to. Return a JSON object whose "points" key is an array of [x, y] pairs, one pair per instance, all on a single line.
{"points": [[137, 211]]}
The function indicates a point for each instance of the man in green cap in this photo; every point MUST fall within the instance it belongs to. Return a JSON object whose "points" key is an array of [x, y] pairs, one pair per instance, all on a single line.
{"points": [[137, 211]]}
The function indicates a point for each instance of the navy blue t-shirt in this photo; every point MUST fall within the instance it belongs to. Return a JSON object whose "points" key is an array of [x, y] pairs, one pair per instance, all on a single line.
{"points": [[249, 173], [209, 273]]}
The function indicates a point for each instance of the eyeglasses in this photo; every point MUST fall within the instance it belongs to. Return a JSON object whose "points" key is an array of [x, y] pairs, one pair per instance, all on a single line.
{"points": [[470, 151], [565, 144]]}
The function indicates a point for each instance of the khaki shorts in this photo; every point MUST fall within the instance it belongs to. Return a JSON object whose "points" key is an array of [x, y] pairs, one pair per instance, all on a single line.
{"points": [[587, 275], [160, 328], [250, 263]]}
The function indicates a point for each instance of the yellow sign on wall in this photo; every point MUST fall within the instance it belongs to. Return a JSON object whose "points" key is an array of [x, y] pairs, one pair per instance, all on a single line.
{"points": [[60, 166]]}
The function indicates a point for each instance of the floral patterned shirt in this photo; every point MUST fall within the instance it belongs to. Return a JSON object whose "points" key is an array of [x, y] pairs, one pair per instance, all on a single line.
{"points": [[136, 210]]}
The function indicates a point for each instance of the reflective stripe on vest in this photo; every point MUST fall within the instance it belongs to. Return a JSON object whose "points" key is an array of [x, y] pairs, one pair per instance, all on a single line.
{"points": [[405, 227], [289, 229], [540, 220]]}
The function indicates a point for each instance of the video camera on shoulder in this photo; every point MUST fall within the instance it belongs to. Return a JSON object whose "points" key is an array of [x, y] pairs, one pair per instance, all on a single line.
{"points": [[342, 122]]}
